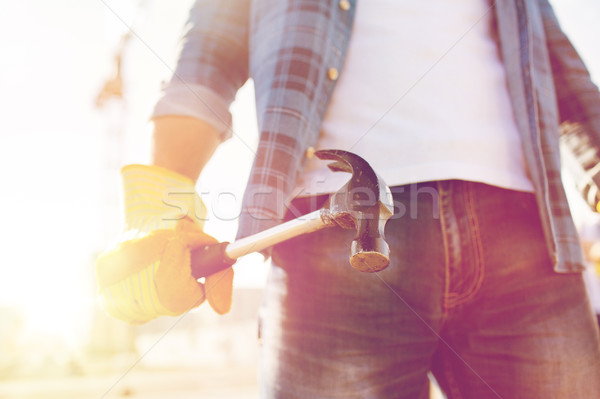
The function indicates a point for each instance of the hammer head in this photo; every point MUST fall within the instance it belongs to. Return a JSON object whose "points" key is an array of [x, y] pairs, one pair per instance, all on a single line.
{"points": [[365, 204]]}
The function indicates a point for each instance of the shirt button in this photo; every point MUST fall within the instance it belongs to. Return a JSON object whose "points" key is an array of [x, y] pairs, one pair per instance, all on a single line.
{"points": [[344, 5], [310, 152], [333, 73]]}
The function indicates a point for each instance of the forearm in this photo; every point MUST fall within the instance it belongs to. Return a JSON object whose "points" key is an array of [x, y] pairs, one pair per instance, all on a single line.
{"points": [[183, 144]]}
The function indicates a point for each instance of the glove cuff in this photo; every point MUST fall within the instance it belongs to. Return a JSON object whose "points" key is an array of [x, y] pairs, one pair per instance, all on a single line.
{"points": [[156, 198]]}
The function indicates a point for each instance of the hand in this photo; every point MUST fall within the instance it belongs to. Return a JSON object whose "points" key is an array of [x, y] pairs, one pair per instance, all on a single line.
{"points": [[148, 273], [148, 277]]}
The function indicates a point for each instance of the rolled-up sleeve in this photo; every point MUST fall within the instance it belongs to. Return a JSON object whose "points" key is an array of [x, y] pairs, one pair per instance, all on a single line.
{"points": [[212, 64], [579, 108]]}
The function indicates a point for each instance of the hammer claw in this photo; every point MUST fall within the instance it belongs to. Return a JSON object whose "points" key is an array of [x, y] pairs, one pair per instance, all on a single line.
{"points": [[345, 161], [339, 167], [364, 204]]}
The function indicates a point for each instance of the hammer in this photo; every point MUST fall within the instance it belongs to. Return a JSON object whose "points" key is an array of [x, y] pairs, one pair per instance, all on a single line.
{"points": [[364, 203]]}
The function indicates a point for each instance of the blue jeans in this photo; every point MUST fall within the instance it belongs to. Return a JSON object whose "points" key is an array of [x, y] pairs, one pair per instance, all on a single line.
{"points": [[470, 295]]}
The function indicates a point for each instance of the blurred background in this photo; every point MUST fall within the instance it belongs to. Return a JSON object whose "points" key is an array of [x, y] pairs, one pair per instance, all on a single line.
{"points": [[76, 89]]}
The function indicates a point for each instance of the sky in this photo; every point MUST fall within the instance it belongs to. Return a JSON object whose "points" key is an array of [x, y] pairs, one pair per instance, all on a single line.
{"points": [[60, 156], [59, 203]]}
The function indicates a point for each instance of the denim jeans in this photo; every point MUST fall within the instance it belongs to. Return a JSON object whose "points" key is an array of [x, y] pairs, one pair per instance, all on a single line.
{"points": [[470, 296]]}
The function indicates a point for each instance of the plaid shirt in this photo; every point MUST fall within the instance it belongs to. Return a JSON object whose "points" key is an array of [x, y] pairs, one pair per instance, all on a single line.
{"points": [[293, 50]]}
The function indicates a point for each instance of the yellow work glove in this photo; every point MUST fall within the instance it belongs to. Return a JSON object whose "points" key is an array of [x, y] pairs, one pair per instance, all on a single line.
{"points": [[148, 273]]}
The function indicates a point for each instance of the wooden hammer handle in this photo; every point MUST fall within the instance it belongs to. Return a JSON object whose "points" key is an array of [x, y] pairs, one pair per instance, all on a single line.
{"points": [[213, 258]]}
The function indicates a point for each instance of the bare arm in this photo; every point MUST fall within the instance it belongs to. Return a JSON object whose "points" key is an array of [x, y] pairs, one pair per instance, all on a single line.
{"points": [[183, 144], [192, 115]]}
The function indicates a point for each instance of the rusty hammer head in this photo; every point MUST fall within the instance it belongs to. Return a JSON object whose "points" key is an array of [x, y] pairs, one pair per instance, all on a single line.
{"points": [[365, 204]]}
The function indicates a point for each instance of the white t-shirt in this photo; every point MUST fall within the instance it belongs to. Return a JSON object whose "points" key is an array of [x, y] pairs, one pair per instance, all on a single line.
{"points": [[422, 97]]}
